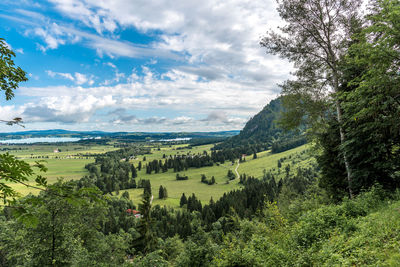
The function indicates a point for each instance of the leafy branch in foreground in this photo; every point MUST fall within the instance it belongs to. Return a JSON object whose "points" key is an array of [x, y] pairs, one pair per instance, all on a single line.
{"points": [[13, 170], [15, 121], [10, 76]]}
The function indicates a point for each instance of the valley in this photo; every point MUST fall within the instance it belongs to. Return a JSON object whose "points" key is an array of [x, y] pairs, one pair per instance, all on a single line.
{"points": [[70, 161]]}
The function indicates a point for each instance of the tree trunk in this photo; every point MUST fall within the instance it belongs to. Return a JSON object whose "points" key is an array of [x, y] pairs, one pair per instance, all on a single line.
{"points": [[342, 135], [342, 140]]}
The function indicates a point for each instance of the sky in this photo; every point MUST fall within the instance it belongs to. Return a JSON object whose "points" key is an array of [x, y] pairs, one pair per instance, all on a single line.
{"points": [[140, 65]]}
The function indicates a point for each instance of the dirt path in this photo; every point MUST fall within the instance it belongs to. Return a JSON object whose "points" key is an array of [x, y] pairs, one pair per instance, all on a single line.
{"points": [[237, 174]]}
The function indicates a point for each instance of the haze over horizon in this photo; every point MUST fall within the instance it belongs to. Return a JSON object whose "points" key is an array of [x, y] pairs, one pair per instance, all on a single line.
{"points": [[143, 66]]}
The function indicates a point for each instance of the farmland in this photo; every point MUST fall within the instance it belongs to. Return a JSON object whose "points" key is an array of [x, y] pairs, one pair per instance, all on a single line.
{"points": [[69, 163]]}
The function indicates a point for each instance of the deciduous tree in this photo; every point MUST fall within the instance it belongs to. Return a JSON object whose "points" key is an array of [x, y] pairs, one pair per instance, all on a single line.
{"points": [[315, 38]]}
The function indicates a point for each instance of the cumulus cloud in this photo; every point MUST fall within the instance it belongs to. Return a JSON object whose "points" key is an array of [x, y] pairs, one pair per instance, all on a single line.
{"points": [[175, 91], [215, 43], [77, 77], [206, 34], [66, 109], [9, 112], [219, 75]]}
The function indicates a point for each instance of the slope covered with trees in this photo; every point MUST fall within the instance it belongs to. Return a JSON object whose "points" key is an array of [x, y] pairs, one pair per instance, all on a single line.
{"points": [[342, 211], [263, 131]]}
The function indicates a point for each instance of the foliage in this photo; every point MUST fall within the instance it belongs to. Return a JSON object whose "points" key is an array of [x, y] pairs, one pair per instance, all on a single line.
{"points": [[10, 75], [372, 108], [68, 232], [17, 171], [259, 132], [11, 169]]}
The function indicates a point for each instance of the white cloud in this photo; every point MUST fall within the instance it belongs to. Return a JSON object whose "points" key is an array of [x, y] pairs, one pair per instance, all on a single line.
{"points": [[77, 77], [220, 75], [18, 50], [66, 109], [226, 43], [222, 103], [52, 36], [111, 65], [10, 111]]}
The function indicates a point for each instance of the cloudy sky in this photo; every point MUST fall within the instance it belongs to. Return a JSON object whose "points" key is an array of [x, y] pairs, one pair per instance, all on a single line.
{"points": [[140, 65]]}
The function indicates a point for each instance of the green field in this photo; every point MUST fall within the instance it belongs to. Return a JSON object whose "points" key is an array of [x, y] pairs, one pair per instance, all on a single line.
{"points": [[254, 167], [70, 163]]}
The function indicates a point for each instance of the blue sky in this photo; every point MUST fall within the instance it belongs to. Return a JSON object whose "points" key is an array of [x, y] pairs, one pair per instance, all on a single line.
{"points": [[140, 65]]}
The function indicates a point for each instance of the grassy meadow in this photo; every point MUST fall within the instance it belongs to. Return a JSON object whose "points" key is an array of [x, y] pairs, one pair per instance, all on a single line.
{"points": [[254, 167], [69, 164]]}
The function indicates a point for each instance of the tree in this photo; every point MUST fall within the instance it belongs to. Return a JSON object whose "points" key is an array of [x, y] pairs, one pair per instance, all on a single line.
{"points": [[183, 200], [231, 175], [10, 75], [315, 39], [161, 192], [68, 232], [139, 165], [212, 180], [165, 192], [134, 171], [12, 169], [18, 171], [125, 195], [146, 242], [372, 109]]}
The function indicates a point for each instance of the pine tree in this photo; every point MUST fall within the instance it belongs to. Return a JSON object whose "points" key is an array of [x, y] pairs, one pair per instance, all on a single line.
{"points": [[161, 192], [133, 170], [146, 242], [165, 192], [183, 200]]}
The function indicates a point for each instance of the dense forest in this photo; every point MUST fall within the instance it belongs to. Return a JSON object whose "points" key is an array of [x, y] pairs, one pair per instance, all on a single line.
{"points": [[263, 131], [342, 210]]}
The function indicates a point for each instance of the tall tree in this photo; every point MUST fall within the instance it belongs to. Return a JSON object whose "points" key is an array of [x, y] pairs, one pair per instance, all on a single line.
{"points": [[315, 38], [10, 75], [183, 200], [146, 242], [12, 169], [372, 110], [161, 192]]}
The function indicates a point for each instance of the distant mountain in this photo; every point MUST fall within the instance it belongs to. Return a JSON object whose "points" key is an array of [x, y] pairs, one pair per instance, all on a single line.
{"points": [[123, 136], [263, 129]]}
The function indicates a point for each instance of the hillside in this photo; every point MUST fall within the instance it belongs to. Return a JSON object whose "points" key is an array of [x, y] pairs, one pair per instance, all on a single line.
{"points": [[264, 129]]}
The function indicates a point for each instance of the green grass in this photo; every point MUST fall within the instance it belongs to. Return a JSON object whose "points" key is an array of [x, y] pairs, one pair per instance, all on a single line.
{"points": [[254, 167], [268, 161], [69, 164]]}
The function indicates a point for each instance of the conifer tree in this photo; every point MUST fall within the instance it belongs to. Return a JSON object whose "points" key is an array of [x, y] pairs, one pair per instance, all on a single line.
{"points": [[183, 200]]}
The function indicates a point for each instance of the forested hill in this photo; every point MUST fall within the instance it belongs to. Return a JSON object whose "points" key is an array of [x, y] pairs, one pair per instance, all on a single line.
{"points": [[264, 129]]}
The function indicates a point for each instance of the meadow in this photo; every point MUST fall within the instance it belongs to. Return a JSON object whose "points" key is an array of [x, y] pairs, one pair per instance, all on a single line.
{"points": [[265, 161], [69, 163]]}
